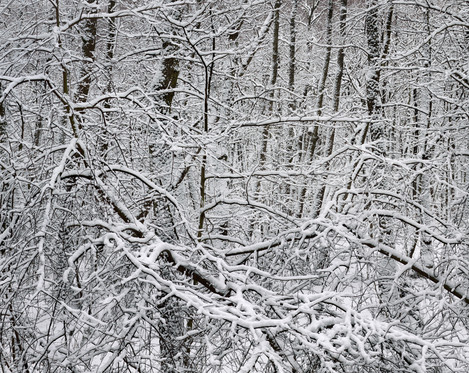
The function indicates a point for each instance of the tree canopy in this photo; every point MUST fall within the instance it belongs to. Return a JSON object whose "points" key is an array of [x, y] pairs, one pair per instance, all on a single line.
{"points": [[234, 186]]}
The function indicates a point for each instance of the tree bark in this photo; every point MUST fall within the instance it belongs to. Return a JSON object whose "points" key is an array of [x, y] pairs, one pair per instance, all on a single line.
{"points": [[378, 50], [336, 94], [88, 48], [273, 82], [314, 135], [3, 121]]}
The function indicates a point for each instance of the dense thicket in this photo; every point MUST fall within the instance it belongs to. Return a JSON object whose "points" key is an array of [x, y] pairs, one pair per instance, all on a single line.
{"points": [[234, 186]]}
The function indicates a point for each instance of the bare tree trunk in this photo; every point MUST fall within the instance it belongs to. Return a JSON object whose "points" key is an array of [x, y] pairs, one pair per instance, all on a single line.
{"points": [[292, 49], [314, 135], [203, 169], [291, 136], [336, 94], [273, 79], [340, 72], [170, 74], [322, 83], [378, 50], [88, 48], [422, 120], [110, 47], [3, 121], [165, 94], [273, 82]]}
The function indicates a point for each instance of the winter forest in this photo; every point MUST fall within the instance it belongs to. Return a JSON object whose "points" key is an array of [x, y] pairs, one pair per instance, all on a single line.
{"points": [[234, 186]]}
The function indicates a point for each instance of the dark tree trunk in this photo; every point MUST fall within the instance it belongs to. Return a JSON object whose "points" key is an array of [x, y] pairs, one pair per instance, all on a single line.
{"points": [[88, 48]]}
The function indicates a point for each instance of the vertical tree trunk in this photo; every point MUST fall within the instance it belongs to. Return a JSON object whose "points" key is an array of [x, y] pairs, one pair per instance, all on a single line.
{"points": [[422, 120], [174, 349], [340, 72], [377, 53], [208, 72], [110, 46], [322, 83], [65, 78], [373, 76], [170, 75], [273, 79], [165, 95], [273, 82], [165, 87], [292, 70], [292, 49], [336, 94], [88, 48], [203, 168], [291, 136], [3, 121], [314, 135]]}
